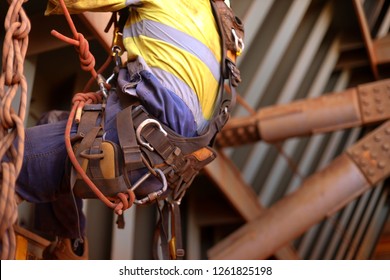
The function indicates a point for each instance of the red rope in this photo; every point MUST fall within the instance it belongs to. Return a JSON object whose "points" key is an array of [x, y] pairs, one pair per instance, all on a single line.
{"points": [[122, 201], [87, 60]]}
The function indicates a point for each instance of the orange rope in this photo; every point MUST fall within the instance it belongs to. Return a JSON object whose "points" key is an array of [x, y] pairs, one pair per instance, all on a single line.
{"points": [[99, 71], [123, 201], [87, 60], [12, 80]]}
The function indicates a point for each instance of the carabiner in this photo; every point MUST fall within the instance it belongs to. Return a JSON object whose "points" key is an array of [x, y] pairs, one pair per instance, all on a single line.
{"points": [[142, 126], [154, 195], [102, 85]]}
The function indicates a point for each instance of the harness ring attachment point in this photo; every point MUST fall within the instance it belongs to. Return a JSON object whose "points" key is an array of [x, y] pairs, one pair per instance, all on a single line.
{"points": [[142, 126]]}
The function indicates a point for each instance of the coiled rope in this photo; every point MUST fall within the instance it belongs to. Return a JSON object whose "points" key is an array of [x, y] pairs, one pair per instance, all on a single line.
{"points": [[17, 27], [122, 201]]}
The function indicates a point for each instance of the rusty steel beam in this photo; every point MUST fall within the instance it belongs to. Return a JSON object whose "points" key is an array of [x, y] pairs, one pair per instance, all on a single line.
{"points": [[361, 17], [322, 194], [229, 180], [381, 47], [362, 105]]}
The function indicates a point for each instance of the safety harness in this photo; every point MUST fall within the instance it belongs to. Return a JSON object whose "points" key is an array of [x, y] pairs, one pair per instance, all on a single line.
{"points": [[147, 144]]}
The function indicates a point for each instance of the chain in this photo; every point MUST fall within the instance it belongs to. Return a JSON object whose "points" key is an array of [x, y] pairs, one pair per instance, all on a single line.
{"points": [[12, 80]]}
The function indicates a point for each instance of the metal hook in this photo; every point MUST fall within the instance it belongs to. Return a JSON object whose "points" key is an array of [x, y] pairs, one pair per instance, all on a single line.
{"points": [[142, 126], [238, 41], [154, 195]]}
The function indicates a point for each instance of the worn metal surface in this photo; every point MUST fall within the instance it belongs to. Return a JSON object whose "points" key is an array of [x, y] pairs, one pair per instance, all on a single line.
{"points": [[320, 195], [372, 154], [374, 101], [343, 234]]}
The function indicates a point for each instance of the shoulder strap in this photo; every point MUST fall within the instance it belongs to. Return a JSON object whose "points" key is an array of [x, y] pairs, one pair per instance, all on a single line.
{"points": [[231, 30], [232, 33]]}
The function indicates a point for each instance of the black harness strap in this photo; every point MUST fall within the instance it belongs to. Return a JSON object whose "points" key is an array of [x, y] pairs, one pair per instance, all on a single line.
{"points": [[127, 139]]}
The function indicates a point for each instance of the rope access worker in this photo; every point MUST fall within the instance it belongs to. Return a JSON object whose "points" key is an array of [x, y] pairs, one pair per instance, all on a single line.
{"points": [[173, 70]]}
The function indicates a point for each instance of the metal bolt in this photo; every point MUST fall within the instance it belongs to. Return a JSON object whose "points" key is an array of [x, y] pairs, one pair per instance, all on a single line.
{"points": [[377, 138], [367, 113], [382, 164]]}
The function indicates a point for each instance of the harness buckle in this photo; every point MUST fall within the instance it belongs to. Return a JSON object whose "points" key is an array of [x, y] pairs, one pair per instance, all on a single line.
{"points": [[238, 42], [101, 82], [142, 126]]}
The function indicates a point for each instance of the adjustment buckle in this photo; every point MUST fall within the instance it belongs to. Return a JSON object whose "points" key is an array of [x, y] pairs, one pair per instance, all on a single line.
{"points": [[239, 43]]}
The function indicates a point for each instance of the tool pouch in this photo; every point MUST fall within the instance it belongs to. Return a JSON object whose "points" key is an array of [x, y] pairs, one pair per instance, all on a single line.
{"points": [[101, 160], [103, 163]]}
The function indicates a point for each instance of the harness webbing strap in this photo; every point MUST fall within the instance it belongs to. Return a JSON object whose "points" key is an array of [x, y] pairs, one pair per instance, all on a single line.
{"points": [[87, 142], [95, 153], [89, 120], [168, 232], [128, 141], [177, 251]]}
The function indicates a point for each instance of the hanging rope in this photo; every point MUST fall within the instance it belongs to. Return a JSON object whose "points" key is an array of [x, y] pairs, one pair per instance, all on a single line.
{"points": [[12, 80], [122, 201], [87, 60]]}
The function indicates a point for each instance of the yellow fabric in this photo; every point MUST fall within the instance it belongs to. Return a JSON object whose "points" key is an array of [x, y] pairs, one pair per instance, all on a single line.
{"points": [[75, 6], [185, 66], [107, 164], [161, 55]]}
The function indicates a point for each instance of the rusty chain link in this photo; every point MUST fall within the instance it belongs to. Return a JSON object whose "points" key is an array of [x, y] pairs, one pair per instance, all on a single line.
{"points": [[12, 81]]}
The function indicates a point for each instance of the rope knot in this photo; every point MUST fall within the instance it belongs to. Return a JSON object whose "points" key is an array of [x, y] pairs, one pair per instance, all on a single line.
{"points": [[87, 60], [87, 97]]}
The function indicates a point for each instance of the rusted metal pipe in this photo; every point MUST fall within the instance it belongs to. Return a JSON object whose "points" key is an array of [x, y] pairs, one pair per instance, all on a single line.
{"points": [[228, 179], [365, 104], [320, 194], [364, 165], [305, 117]]}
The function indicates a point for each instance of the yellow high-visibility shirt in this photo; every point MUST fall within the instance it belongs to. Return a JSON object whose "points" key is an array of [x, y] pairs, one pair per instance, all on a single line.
{"points": [[177, 39]]}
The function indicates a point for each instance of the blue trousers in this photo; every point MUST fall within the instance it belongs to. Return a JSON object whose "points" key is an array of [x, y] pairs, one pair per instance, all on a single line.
{"points": [[42, 181]]}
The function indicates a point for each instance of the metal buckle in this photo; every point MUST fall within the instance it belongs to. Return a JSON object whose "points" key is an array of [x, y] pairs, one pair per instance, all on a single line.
{"points": [[154, 195], [101, 82], [238, 41], [142, 126]]}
